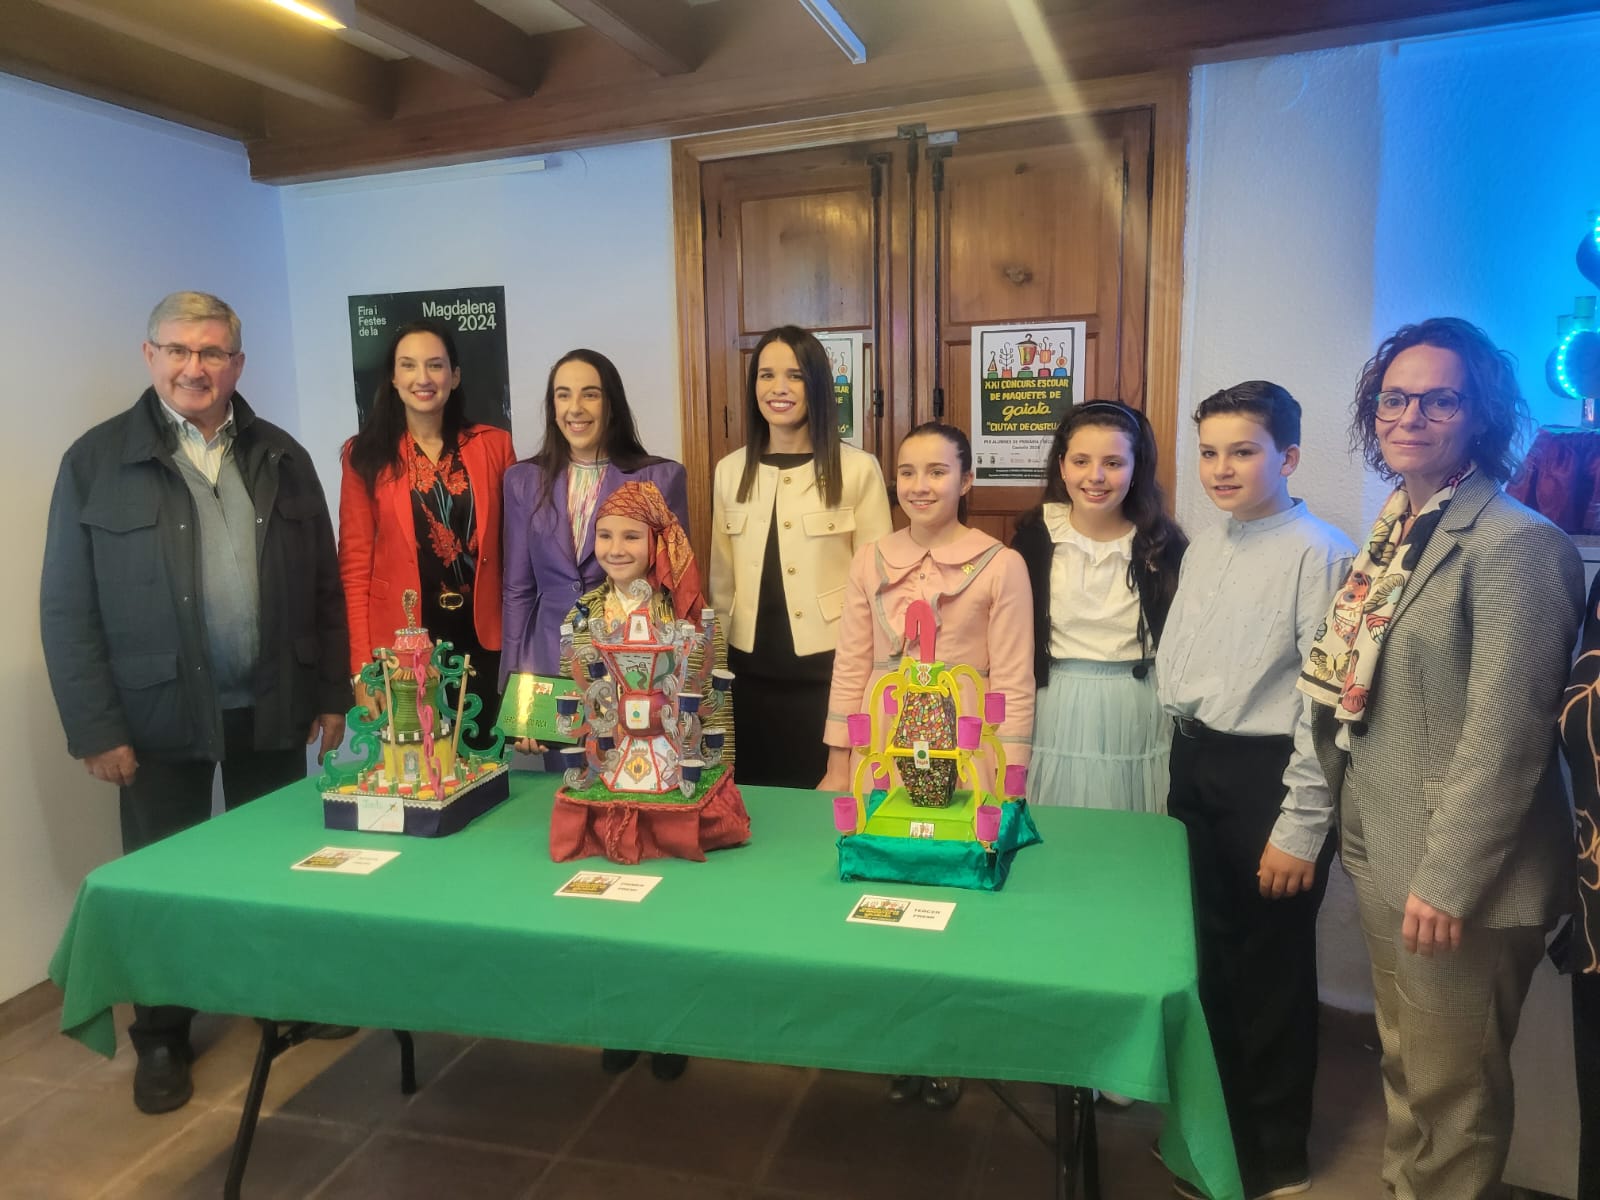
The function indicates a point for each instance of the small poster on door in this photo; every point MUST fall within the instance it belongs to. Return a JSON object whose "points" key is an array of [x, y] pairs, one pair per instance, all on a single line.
{"points": [[846, 361], [476, 319], [1023, 382]]}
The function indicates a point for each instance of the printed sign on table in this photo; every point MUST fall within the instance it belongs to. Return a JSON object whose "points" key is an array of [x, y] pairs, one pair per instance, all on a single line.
{"points": [[1024, 378]]}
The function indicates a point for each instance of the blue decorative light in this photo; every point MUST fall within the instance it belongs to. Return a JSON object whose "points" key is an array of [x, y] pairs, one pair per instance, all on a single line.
{"points": [[1563, 381]]}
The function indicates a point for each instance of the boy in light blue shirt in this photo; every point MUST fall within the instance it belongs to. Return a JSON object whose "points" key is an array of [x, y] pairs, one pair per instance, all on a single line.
{"points": [[1245, 779]]}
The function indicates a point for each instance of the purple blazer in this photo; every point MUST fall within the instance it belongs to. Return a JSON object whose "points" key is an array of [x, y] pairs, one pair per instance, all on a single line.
{"points": [[543, 577]]}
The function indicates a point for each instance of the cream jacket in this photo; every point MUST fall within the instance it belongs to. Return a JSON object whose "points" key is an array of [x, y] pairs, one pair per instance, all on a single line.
{"points": [[815, 544]]}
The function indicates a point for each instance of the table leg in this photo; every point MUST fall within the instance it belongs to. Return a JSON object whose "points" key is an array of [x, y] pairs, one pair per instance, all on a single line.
{"points": [[1076, 1147], [1066, 1147], [408, 1062], [1088, 1145], [272, 1045]]}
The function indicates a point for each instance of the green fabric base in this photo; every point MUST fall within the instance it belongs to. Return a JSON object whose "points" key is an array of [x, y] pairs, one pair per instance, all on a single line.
{"points": [[598, 793], [963, 864]]}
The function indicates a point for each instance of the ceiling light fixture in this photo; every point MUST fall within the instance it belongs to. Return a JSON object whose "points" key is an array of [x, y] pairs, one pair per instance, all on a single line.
{"points": [[837, 28], [314, 15]]}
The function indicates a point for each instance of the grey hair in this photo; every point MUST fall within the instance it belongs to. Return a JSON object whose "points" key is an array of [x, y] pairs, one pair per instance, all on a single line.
{"points": [[195, 306]]}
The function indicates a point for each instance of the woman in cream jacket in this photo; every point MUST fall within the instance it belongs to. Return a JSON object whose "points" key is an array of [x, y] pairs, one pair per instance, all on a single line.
{"points": [[789, 511]]}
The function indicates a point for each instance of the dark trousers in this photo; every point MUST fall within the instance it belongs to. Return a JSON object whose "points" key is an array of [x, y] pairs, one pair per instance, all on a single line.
{"points": [[168, 797], [777, 731], [1586, 1047], [1258, 957]]}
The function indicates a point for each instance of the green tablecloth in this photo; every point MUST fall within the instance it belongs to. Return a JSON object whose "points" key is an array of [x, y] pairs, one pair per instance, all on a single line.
{"points": [[1082, 971]]}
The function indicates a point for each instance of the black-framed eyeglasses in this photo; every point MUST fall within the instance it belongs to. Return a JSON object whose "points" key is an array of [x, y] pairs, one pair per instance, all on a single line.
{"points": [[1437, 404], [211, 356]]}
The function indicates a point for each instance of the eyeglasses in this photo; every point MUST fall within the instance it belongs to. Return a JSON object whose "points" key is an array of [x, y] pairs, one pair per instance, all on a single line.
{"points": [[210, 356], [1437, 404]]}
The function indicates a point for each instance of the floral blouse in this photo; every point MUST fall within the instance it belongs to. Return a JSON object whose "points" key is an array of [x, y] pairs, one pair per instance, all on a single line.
{"points": [[446, 523]]}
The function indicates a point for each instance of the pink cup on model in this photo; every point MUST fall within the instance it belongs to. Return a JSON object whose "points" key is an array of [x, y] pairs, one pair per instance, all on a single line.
{"points": [[859, 727], [1016, 779], [844, 814]]}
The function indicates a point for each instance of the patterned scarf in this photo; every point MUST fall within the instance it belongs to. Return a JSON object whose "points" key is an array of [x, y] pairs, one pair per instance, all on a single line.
{"points": [[673, 568], [1343, 659]]}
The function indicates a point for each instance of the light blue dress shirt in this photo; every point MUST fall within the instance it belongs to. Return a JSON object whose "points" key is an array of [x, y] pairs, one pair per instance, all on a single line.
{"points": [[1250, 597]]}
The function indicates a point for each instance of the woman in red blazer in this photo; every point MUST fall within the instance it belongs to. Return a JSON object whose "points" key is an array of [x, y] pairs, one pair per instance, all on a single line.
{"points": [[419, 509]]}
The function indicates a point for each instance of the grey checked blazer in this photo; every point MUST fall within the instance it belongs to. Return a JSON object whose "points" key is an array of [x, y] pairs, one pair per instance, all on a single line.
{"points": [[1454, 776]]}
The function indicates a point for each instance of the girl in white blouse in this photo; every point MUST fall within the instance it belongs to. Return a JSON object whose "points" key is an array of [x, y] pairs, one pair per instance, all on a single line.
{"points": [[789, 511], [1102, 558]]}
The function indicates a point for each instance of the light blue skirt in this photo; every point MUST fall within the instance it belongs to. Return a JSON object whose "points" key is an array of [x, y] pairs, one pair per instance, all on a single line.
{"points": [[1100, 739]]}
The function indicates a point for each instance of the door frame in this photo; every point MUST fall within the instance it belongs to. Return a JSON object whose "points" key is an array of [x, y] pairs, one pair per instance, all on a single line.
{"points": [[1165, 93]]}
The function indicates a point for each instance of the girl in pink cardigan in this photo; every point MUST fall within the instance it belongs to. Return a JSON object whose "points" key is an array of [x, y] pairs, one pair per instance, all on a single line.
{"points": [[979, 593]]}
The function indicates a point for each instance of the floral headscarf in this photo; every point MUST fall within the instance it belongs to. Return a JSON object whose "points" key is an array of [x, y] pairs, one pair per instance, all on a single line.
{"points": [[673, 567]]}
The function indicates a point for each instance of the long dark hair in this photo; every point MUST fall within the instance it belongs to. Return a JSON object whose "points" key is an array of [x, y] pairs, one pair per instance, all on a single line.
{"points": [[376, 448], [1156, 536], [619, 436], [956, 438], [1492, 394], [820, 413]]}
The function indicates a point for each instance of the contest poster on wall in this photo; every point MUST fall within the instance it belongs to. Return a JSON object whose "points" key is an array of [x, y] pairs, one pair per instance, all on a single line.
{"points": [[1023, 383], [847, 361], [476, 318]]}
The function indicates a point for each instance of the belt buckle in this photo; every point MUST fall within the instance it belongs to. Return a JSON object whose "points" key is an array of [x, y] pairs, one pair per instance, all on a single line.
{"points": [[1188, 727], [450, 601]]}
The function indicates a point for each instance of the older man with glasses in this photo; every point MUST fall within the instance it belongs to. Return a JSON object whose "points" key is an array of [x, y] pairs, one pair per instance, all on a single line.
{"points": [[191, 611]]}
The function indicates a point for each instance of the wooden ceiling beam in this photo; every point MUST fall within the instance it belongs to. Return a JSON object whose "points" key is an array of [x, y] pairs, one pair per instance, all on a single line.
{"points": [[263, 45], [38, 43], [660, 33], [912, 62], [459, 37]]}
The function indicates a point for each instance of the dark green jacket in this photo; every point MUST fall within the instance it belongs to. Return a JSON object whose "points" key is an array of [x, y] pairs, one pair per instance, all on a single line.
{"points": [[120, 604]]}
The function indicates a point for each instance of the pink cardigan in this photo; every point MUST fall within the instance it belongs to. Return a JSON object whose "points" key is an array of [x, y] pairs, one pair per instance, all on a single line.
{"points": [[980, 596]]}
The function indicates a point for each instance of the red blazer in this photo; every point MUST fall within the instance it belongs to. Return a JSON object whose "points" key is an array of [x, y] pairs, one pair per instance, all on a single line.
{"points": [[378, 545]]}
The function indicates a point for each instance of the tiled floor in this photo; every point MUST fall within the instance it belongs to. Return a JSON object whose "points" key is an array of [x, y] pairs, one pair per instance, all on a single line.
{"points": [[500, 1119]]}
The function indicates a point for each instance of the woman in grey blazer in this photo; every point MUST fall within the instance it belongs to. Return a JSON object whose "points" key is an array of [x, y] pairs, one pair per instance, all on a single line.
{"points": [[1437, 677]]}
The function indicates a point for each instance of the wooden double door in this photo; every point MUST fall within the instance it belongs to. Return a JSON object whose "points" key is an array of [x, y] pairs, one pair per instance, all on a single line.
{"points": [[913, 241]]}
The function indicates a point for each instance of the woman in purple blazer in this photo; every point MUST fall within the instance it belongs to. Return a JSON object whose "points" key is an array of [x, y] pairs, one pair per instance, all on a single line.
{"points": [[591, 448]]}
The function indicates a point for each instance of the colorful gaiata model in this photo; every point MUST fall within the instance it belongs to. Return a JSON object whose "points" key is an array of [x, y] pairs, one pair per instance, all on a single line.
{"points": [[647, 778], [920, 811], [412, 774]]}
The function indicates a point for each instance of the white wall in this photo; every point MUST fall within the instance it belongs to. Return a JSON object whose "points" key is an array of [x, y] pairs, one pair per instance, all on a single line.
{"points": [[1491, 161], [102, 212], [583, 248]]}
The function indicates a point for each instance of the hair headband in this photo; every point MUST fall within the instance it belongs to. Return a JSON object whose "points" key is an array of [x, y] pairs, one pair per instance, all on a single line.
{"points": [[1110, 408]]}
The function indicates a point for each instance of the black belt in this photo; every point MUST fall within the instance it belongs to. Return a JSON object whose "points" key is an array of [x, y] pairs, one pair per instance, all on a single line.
{"points": [[1197, 730]]}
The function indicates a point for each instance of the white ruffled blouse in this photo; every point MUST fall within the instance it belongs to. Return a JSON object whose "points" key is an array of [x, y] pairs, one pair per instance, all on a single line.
{"points": [[1094, 614]]}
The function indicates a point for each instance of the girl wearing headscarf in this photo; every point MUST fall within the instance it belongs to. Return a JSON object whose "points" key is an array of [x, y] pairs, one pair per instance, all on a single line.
{"points": [[636, 536]]}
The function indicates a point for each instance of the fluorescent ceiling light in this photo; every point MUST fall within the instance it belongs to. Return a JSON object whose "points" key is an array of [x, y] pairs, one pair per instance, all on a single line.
{"points": [[837, 28], [315, 16]]}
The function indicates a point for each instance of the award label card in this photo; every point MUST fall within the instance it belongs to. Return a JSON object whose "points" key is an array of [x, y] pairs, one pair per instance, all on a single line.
{"points": [[605, 885], [342, 861], [529, 707], [906, 914], [380, 814]]}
